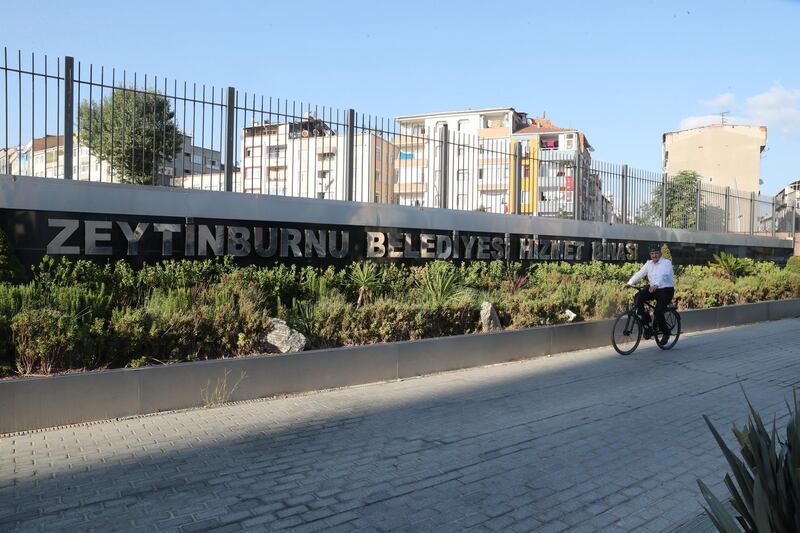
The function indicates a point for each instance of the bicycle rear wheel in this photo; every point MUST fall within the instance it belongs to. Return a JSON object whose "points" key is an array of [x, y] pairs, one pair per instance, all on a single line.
{"points": [[673, 320], [627, 333]]}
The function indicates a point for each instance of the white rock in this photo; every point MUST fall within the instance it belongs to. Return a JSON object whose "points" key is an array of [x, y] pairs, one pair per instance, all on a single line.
{"points": [[283, 339], [489, 319]]}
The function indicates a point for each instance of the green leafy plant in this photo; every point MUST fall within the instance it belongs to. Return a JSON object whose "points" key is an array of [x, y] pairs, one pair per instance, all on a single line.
{"points": [[10, 268], [365, 279], [793, 264], [438, 283], [43, 337], [731, 266], [766, 491]]}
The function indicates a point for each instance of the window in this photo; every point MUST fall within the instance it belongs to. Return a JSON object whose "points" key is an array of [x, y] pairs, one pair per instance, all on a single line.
{"points": [[187, 154], [462, 124], [278, 150], [321, 195], [378, 152], [480, 173], [84, 168], [462, 175], [197, 159], [377, 197]]}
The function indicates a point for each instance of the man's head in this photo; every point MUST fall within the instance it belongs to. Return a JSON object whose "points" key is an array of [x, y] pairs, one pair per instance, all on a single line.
{"points": [[655, 251]]}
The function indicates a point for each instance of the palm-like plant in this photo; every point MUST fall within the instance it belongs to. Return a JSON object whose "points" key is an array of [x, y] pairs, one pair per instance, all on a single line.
{"points": [[766, 495], [365, 279], [731, 265], [439, 283]]}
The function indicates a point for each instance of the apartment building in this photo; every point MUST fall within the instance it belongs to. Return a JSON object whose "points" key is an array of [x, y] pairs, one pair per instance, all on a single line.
{"points": [[190, 163], [308, 158], [556, 170], [44, 157], [477, 165], [725, 155]]}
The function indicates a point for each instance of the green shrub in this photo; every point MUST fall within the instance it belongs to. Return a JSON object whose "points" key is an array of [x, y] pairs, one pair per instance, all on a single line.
{"points": [[438, 283], [793, 264], [731, 266], [128, 330], [10, 268], [43, 337], [766, 492], [186, 310]]}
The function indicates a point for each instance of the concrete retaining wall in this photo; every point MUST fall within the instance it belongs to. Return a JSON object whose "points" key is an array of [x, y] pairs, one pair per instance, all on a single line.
{"points": [[39, 402]]}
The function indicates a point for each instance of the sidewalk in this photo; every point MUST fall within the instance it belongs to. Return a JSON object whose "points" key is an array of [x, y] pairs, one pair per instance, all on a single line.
{"points": [[586, 441]]}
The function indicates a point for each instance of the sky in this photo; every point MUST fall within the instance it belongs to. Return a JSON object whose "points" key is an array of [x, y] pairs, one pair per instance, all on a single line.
{"points": [[623, 72]]}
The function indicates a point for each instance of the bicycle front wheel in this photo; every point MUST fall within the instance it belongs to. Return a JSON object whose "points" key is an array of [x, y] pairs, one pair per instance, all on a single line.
{"points": [[627, 333], [673, 320]]}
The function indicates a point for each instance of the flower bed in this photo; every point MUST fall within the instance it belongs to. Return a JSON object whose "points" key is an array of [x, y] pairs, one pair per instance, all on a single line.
{"points": [[72, 315]]}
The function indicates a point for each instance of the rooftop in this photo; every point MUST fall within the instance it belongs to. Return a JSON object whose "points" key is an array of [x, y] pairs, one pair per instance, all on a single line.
{"points": [[461, 112]]}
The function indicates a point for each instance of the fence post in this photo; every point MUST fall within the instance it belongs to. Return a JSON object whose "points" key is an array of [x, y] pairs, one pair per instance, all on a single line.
{"points": [[69, 114], [443, 167], [772, 220], [727, 209], [624, 194], [794, 228], [697, 208], [350, 140], [576, 179], [752, 213], [517, 207], [229, 139], [664, 200]]}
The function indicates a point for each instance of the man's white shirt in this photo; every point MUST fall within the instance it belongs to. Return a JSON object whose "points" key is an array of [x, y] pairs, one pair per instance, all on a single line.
{"points": [[659, 274]]}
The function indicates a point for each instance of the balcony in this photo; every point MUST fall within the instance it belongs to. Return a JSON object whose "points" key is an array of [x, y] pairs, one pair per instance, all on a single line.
{"points": [[494, 132], [412, 139], [410, 163], [410, 188]]}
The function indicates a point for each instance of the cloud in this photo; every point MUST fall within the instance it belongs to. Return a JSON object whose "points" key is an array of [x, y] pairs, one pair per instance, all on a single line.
{"points": [[777, 108], [719, 102]]}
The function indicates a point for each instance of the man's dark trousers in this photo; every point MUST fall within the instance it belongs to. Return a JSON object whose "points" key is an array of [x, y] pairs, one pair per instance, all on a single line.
{"points": [[662, 297]]}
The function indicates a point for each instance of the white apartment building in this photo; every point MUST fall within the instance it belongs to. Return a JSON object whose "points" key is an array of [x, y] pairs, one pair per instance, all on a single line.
{"points": [[478, 163], [44, 157], [308, 158]]}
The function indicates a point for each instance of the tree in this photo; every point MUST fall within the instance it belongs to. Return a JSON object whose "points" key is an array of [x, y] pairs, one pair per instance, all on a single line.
{"points": [[133, 131], [681, 202]]}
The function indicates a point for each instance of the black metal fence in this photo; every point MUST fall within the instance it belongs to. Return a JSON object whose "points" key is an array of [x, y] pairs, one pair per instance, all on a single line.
{"points": [[64, 119]]}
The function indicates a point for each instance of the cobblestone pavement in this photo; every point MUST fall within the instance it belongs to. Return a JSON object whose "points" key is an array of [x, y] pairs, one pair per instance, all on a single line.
{"points": [[587, 441]]}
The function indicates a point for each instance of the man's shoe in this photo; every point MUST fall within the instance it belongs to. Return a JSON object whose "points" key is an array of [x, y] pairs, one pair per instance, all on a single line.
{"points": [[663, 338]]}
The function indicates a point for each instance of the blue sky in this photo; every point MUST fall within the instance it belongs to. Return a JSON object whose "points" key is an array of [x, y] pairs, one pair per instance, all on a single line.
{"points": [[624, 72]]}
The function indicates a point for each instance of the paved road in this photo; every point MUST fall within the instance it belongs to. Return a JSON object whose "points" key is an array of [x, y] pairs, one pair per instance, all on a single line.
{"points": [[586, 441]]}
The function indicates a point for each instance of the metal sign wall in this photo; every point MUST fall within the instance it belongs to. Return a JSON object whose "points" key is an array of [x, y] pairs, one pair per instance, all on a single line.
{"points": [[148, 224]]}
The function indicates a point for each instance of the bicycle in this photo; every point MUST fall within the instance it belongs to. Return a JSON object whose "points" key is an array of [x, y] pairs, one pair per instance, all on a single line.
{"points": [[629, 327]]}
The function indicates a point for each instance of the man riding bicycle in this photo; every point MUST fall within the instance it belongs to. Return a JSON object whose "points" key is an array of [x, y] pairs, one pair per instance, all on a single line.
{"points": [[661, 279]]}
